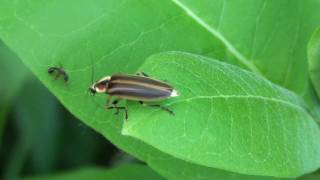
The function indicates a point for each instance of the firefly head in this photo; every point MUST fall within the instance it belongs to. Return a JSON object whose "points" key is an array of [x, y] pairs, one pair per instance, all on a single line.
{"points": [[100, 86], [92, 90]]}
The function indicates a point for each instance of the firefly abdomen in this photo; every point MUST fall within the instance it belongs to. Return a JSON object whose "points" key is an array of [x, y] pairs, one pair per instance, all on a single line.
{"points": [[139, 88]]}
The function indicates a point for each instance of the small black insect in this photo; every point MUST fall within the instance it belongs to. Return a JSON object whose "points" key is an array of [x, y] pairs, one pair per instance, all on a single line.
{"points": [[138, 87], [59, 71]]}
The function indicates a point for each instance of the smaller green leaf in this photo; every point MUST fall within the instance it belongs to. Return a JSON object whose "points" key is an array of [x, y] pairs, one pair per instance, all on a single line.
{"points": [[314, 60], [227, 118], [125, 172]]}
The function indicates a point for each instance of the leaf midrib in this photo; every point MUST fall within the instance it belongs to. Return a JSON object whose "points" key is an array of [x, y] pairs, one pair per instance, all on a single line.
{"points": [[218, 35], [263, 98]]}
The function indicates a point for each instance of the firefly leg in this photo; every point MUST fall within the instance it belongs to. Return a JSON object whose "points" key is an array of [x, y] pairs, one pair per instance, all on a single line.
{"points": [[114, 106], [142, 74], [146, 75], [157, 106], [108, 101]]}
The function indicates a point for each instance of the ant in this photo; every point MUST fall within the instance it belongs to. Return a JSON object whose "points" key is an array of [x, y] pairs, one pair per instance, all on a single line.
{"points": [[59, 71]]}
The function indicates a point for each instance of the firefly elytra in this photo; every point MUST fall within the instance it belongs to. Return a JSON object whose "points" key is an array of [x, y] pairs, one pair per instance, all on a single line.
{"points": [[138, 87], [59, 71]]}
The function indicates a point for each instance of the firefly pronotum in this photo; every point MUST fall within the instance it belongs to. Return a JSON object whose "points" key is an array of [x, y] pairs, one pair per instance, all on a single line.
{"points": [[59, 71], [138, 87]]}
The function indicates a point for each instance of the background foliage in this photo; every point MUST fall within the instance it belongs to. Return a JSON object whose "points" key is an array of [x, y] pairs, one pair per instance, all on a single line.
{"points": [[255, 123]]}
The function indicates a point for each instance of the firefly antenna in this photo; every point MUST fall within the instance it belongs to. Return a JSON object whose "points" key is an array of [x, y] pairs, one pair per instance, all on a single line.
{"points": [[92, 79], [92, 69]]}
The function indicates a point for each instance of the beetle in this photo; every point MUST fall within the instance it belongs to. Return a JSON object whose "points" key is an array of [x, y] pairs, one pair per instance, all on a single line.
{"points": [[139, 87], [59, 71]]}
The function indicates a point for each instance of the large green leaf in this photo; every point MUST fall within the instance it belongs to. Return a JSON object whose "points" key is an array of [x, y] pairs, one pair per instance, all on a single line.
{"points": [[228, 118], [125, 172], [45, 33], [314, 60], [117, 36], [266, 36]]}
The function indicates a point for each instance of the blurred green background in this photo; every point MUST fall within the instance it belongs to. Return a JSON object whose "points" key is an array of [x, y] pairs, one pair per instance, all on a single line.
{"points": [[37, 135]]}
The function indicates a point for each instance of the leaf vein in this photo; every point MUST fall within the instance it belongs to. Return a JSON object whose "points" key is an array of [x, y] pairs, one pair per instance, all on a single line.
{"points": [[218, 35]]}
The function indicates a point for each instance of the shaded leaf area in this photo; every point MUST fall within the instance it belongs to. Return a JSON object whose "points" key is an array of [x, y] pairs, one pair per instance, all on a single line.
{"points": [[124, 172], [314, 60], [228, 118], [192, 171], [31, 107], [115, 36], [41, 137], [314, 72], [12, 75], [313, 176]]}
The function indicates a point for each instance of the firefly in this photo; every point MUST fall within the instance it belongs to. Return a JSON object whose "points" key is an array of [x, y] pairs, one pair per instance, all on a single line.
{"points": [[59, 71], [139, 87]]}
